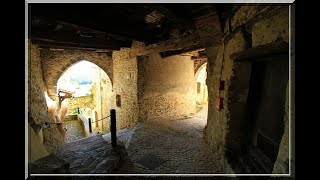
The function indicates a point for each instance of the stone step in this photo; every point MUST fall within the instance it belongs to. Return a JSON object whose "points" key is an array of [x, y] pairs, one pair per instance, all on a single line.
{"points": [[81, 142], [265, 163], [50, 164], [92, 155], [254, 162], [258, 169], [124, 135], [246, 165], [81, 148], [249, 164]]}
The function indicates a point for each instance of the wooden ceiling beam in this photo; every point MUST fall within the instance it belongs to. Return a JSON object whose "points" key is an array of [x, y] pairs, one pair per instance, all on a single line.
{"points": [[61, 34], [57, 25], [173, 16], [48, 43], [72, 38], [187, 51], [192, 40]]}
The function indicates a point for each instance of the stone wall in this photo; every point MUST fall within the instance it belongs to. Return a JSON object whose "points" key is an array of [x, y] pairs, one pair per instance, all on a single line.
{"points": [[282, 162], [38, 110], [106, 97], [251, 26], [97, 103], [217, 126], [125, 86], [166, 87], [81, 102], [35, 149], [102, 100], [37, 101], [55, 63], [118, 77], [201, 77]]}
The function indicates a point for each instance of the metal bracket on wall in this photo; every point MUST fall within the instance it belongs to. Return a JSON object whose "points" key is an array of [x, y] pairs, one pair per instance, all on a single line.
{"points": [[219, 103], [46, 125]]}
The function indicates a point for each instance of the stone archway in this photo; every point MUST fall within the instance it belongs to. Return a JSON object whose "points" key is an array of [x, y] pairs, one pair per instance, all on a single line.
{"points": [[199, 68], [55, 63], [77, 60], [91, 91], [199, 64]]}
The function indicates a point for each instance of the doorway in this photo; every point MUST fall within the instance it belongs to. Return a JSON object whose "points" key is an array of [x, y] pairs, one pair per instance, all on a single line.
{"points": [[266, 108]]}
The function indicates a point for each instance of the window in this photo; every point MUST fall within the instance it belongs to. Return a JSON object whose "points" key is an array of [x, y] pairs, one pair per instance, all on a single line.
{"points": [[198, 87], [118, 100]]}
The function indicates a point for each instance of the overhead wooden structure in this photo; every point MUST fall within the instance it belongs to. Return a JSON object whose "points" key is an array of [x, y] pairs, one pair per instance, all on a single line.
{"points": [[168, 29]]}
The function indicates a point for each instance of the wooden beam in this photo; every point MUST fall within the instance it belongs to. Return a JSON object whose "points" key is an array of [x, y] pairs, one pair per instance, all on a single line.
{"points": [[45, 22], [182, 51], [173, 16], [113, 36], [202, 53], [47, 43], [110, 19], [57, 31], [199, 57], [170, 45], [70, 38], [76, 37], [62, 48], [275, 48], [204, 10]]}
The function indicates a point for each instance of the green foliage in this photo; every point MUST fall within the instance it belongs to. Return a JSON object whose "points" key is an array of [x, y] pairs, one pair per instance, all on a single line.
{"points": [[74, 111]]}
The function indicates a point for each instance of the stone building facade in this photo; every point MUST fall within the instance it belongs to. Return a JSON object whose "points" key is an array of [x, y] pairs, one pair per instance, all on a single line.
{"points": [[149, 87]]}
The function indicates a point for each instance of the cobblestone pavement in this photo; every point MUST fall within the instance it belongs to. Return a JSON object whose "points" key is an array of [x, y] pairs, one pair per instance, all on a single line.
{"points": [[92, 155], [123, 135], [74, 131], [172, 146]]}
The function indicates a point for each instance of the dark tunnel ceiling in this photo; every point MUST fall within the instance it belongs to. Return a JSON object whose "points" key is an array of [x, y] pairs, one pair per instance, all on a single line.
{"points": [[110, 26]]}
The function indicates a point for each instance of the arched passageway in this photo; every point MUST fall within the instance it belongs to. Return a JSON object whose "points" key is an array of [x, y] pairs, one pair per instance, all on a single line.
{"points": [[90, 92], [202, 89], [176, 144]]}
